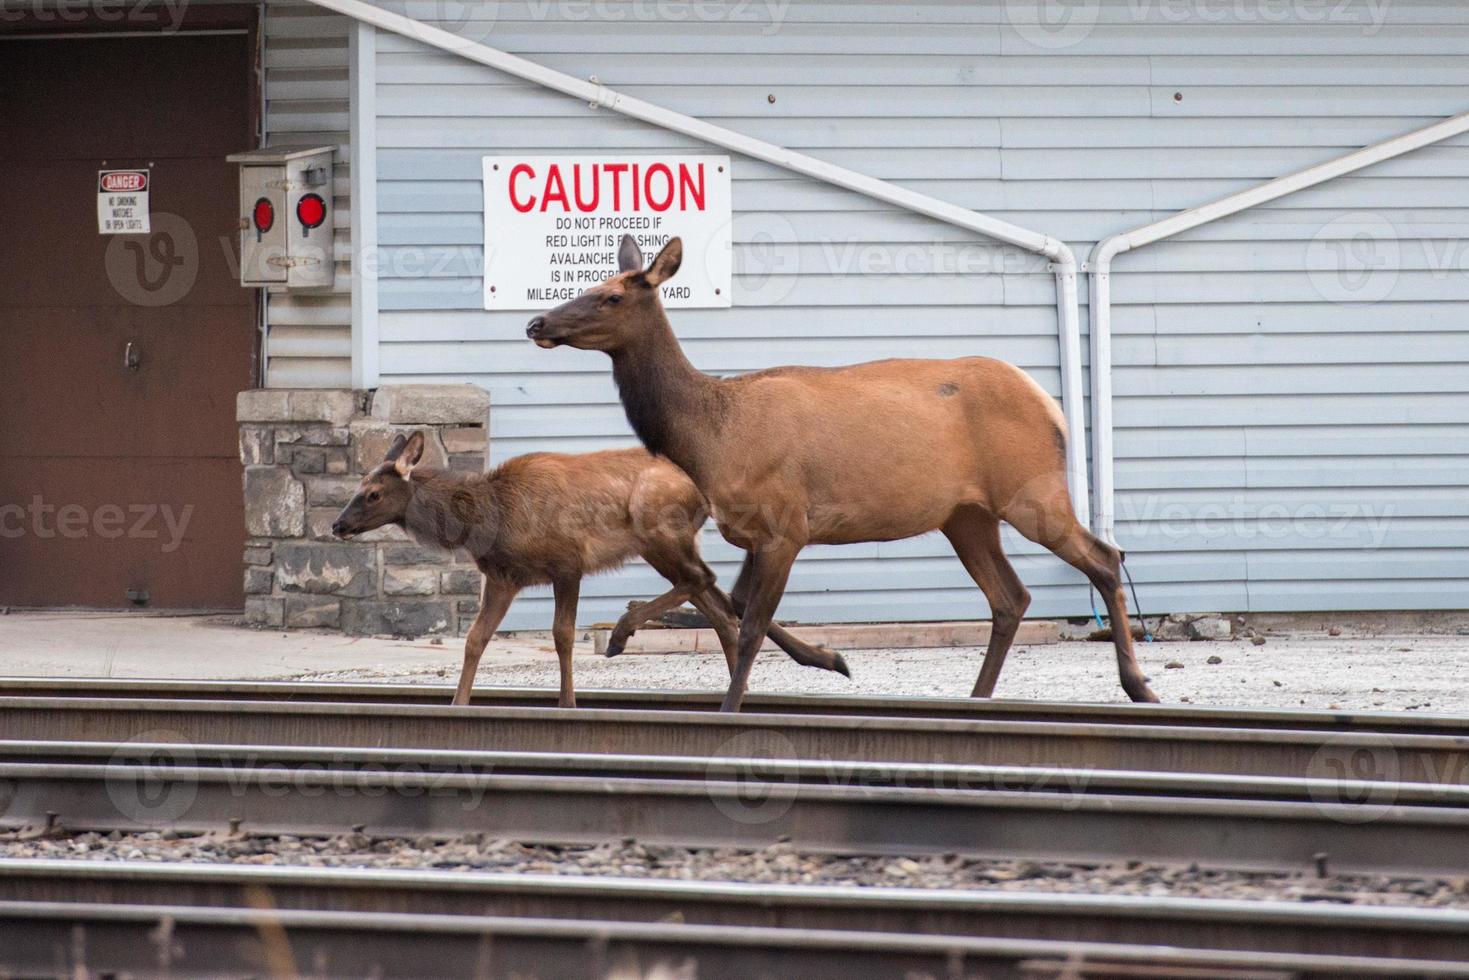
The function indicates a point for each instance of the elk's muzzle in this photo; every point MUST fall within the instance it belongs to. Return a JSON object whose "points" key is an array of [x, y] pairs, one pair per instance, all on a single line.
{"points": [[536, 331]]}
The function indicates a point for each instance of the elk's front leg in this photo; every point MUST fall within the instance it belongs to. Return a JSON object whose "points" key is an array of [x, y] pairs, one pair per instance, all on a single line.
{"points": [[494, 601], [563, 632], [769, 570]]}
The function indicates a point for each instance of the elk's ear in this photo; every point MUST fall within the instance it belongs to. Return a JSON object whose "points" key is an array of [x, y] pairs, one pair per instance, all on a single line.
{"points": [[409, 457], [629, 256], [667, 262], [396, 449]]}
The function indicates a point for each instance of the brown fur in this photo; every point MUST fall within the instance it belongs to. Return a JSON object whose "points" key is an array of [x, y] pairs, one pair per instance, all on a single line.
{"points": [[548, 518], [871, 452]]}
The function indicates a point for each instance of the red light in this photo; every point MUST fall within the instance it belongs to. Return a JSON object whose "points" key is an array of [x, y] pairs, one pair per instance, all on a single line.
{"points": [[311, 211], [264, 214]]}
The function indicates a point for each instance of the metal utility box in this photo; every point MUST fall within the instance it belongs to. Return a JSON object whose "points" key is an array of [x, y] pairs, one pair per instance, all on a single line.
{"points": [[286, 216]]}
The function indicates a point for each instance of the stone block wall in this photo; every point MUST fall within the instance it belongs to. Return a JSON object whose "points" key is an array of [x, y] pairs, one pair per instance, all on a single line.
{"points": [[305, 451]]}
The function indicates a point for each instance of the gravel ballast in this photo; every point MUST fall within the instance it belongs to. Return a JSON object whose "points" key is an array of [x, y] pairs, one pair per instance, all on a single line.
{"points": [[778, 863]]}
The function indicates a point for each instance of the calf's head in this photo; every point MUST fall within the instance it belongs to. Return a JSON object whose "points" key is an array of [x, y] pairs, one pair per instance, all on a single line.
{"points": [[608, 316], [385, 493]]}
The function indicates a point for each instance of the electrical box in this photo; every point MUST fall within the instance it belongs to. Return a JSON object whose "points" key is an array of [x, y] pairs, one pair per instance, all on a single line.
{"points": [[286, 217]]}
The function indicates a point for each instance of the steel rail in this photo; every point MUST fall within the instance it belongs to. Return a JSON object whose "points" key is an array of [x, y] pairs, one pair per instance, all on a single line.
{"points": [[209, 941], [1365, 795], [1388, 757], [561, 809], [999, 709], [1199, 923]]}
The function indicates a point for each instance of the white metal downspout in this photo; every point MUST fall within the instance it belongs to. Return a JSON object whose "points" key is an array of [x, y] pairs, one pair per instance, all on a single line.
{"points": [[1063, 260], [1100, 267], [363, 125]]}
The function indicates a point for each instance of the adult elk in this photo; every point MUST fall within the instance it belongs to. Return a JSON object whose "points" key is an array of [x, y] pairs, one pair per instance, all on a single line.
{"points": [[553, 518], [872, 452]]}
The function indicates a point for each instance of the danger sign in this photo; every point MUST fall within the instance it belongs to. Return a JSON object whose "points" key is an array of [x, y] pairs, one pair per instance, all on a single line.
{"points": [[553, 224], [122, 202]]}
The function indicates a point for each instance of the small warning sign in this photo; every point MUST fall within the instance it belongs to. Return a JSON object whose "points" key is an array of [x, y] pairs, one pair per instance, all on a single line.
{"points": [[122, 202]]}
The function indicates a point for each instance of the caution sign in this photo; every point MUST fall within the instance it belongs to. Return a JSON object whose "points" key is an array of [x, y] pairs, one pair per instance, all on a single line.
{"points": [[122, 202], [553, 225]]}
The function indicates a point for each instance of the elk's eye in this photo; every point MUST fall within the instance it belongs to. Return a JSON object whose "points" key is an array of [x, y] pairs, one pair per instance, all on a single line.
{"points": [[373, 496], [615, 298]]}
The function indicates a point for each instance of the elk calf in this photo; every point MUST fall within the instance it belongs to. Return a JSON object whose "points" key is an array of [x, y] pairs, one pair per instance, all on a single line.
{"points": [[552, 518]]}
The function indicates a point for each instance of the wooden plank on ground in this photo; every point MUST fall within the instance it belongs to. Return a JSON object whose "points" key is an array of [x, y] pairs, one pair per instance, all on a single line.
{"points": [[850, 636]]}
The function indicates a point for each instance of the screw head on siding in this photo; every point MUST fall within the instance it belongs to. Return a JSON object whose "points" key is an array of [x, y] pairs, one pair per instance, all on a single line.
{"points": [[770, 98], [1177, 96]]}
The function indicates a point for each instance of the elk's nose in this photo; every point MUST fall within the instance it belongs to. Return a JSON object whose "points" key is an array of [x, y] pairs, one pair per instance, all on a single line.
{"points": [[536, 323]]}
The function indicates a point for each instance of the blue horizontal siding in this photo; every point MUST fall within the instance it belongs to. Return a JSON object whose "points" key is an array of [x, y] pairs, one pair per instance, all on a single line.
{"points": [[1251, 379]]}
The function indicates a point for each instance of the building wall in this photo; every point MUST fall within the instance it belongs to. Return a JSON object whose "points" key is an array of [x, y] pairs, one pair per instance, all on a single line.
{"points": [[306, 101], [1281, 442]]}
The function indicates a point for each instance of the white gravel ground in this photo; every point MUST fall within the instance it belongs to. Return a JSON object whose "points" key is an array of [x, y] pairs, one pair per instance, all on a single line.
{"points": [[1401, 670], [1386, 673]]}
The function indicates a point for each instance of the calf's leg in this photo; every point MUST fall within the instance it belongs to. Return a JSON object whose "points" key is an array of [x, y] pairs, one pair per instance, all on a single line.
{"points": [[494, 601], [644, 611], [563, 633]]}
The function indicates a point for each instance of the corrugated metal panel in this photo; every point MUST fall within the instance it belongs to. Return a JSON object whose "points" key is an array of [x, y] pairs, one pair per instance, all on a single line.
{"points": [[1282, 443], [306, 100]]}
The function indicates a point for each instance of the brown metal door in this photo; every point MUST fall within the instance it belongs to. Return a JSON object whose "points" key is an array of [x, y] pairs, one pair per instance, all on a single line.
{"points": [[120, 355]]}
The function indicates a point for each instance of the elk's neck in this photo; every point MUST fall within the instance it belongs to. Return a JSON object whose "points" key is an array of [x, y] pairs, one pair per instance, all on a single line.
{"points": [[452, 510], [672, 406]]}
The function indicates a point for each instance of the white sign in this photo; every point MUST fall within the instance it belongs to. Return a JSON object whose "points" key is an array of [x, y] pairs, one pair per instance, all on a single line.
{"points": [[122, 202], [553, 225]]}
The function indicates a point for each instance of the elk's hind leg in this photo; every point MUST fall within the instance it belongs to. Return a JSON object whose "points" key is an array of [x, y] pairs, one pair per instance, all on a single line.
{"points": [[1047, 518], [494, 601], [1102, 564], [641, 613], [975, 535], [676, 559], [716, 608]]}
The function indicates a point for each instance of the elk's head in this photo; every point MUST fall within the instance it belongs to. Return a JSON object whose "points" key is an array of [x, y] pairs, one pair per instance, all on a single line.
{"points": [[384, 494], [608, 316]]}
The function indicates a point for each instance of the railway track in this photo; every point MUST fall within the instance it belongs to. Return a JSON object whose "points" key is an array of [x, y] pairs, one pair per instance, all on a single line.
{"points": [[1199, 923], [848, 706], [1360, 792], [185, 941], [1440, 759], [841, 806]]}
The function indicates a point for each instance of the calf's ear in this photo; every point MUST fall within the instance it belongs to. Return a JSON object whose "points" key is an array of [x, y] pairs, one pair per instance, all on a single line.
{"points": [[396, 448], [409, 457]]}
